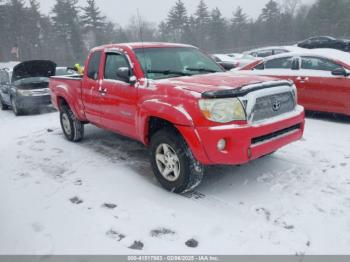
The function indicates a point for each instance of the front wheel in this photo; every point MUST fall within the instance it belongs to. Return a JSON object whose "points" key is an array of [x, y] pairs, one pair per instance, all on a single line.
{"points": [[72, 128], [173, 163], [17, 111]]}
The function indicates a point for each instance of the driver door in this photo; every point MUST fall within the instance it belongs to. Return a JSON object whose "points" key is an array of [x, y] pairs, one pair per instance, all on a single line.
{"points": [[119, 97]]}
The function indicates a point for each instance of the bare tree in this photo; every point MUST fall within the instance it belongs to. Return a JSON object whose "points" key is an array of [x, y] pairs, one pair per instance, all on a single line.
{"points": [[290, 6]]}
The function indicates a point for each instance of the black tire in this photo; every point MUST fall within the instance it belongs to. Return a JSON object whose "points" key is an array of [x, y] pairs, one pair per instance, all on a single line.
{"points": [[72, 128], [17, 111], [190, 170], [3, 105]]}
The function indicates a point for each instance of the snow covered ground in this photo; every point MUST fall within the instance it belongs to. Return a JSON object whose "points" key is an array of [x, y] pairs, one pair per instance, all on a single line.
{"points": [[100, 197]]}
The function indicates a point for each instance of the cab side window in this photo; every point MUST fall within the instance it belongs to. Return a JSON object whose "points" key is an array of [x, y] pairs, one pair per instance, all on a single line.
{"points": [[114, 61], [318, 63], [94, 65]]}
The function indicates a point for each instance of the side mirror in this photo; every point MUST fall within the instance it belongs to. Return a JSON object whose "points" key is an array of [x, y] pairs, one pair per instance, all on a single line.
{"points": [[124, 74], [340, 72]]}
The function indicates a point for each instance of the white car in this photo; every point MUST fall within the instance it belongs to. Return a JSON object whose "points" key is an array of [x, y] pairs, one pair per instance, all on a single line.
{"points": [[227, 62], [242, 60], [273, 50]]}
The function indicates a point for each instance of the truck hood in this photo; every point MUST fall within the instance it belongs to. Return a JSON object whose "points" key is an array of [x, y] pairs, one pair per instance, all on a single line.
{"points": [[216, 82], [33, 69]]}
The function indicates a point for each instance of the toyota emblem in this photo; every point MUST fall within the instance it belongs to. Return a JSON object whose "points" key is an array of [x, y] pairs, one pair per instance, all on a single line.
{"points": [[276, 105]]}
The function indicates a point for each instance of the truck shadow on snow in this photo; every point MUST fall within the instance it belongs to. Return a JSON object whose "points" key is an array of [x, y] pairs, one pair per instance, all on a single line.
{"points": [[121, 150]]}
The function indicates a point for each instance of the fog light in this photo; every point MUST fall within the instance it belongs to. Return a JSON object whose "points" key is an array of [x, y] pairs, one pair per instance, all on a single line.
{"points": [[222, 144]]}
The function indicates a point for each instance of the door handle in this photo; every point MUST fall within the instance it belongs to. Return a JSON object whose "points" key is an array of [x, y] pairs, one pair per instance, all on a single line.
{"points": [[102, 91], [303, 78]]}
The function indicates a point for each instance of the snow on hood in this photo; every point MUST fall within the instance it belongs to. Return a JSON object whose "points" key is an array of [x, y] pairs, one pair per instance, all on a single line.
{"points": [[35, 68], [214, 82]]}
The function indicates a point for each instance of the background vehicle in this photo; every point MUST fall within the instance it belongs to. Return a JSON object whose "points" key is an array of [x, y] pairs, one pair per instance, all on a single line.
{"points": [[25, 88], [8, 65], [272, 50], [325, 42], [321, 76], [242, 59], [178, 101], [225, 61]]}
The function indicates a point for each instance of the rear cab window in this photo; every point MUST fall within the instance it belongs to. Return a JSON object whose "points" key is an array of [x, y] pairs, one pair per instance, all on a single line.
{"points": [[94, 65]]}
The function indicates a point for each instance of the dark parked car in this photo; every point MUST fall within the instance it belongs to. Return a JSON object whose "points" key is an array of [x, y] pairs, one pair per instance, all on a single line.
{"points": [[326, 42], [25, 87]]}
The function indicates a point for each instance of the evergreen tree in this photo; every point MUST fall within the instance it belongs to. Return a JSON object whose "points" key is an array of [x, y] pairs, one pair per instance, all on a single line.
{"points": [[270, 21], [3, 31], [329, 18], [94, 23], [67, 25], [239, 27], [202, 19], [218, 31], [177, 21], [15, 26], [33, 30]]}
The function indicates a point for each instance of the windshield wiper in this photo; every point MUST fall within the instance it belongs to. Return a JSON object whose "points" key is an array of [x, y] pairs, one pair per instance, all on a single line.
{"points": [[168, 72], [207, 70]]}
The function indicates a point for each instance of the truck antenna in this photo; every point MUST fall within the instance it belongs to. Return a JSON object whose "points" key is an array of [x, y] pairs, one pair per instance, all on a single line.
{"points": [[142, 42]]}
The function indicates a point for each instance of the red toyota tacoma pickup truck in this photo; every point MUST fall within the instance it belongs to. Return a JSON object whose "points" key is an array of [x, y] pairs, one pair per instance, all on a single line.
{"points": [[182, 105]]}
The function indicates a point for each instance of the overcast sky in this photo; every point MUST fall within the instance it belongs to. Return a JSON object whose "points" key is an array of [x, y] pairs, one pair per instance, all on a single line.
{"points": [[120, 11]]}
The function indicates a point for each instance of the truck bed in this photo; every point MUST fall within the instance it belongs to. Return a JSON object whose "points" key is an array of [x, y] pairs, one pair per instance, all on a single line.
{"points": [[68, 88]]}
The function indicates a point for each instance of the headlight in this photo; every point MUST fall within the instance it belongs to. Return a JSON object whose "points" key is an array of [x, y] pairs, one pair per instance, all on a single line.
{"points": [[223, 110], [25, 92]]}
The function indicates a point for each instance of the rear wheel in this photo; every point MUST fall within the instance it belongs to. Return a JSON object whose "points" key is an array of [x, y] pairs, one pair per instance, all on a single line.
{"points": [[173, 163], [72, 128]]}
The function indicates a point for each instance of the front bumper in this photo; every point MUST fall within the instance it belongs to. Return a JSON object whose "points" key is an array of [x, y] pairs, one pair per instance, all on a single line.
{"points": [[244, 143], [31, 102]]}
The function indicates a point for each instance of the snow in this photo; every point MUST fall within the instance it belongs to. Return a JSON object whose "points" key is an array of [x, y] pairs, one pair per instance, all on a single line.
{"points": [[99, 196]]}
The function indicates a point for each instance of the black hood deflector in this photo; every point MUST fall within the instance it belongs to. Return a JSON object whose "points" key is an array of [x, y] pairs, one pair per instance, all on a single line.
{"points": [[244, 90]]}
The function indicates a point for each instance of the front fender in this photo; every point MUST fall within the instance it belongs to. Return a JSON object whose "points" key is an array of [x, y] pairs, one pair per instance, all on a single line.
{"points": [[179, 117], [175, 114]]}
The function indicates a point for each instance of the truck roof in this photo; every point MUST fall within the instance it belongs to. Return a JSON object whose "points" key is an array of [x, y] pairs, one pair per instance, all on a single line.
{"points": [[136, 45]]}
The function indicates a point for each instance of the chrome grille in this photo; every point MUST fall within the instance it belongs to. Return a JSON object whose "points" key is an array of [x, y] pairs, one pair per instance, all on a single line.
{"points": [[273, 105]]}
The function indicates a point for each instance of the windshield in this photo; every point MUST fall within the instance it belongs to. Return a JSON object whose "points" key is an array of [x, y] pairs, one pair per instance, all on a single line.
{"points": [[160, 63]]}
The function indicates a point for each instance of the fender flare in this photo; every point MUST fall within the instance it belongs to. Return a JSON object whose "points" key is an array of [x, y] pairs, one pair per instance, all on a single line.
{"points": [[176, 115], [74, 103]]}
